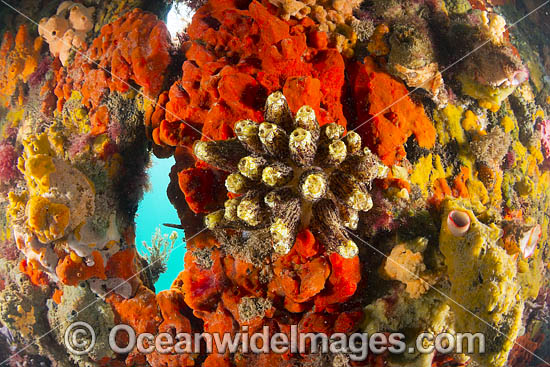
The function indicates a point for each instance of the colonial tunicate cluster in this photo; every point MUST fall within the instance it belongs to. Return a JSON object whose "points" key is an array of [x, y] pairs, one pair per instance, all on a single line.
{"points": [[285, 167]]}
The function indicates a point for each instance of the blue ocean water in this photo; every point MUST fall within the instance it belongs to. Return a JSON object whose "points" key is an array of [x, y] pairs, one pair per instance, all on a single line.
{"points": [[155, 209]]}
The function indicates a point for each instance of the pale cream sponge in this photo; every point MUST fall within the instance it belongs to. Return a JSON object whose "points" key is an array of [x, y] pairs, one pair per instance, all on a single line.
{"points": [[67, 29]]}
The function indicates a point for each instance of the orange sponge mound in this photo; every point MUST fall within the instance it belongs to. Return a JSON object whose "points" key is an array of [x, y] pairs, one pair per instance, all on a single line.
{"points": [[73, 270], [308, 274], [235, 58], [132, 52], [135, 47], [386, 115]]}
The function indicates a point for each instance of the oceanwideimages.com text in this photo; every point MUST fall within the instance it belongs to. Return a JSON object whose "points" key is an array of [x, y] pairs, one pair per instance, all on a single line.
{"points": [[80, 339]]}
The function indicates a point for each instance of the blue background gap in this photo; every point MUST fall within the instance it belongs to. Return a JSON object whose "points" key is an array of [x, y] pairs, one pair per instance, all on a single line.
{"points": [[155, 209]]}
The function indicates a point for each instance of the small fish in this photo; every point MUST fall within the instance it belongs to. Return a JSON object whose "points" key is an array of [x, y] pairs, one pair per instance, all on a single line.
{"points": [[177, 226]]}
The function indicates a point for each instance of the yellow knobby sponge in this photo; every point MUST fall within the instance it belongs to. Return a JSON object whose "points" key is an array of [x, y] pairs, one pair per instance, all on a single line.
{"points": [[47, 220]]}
